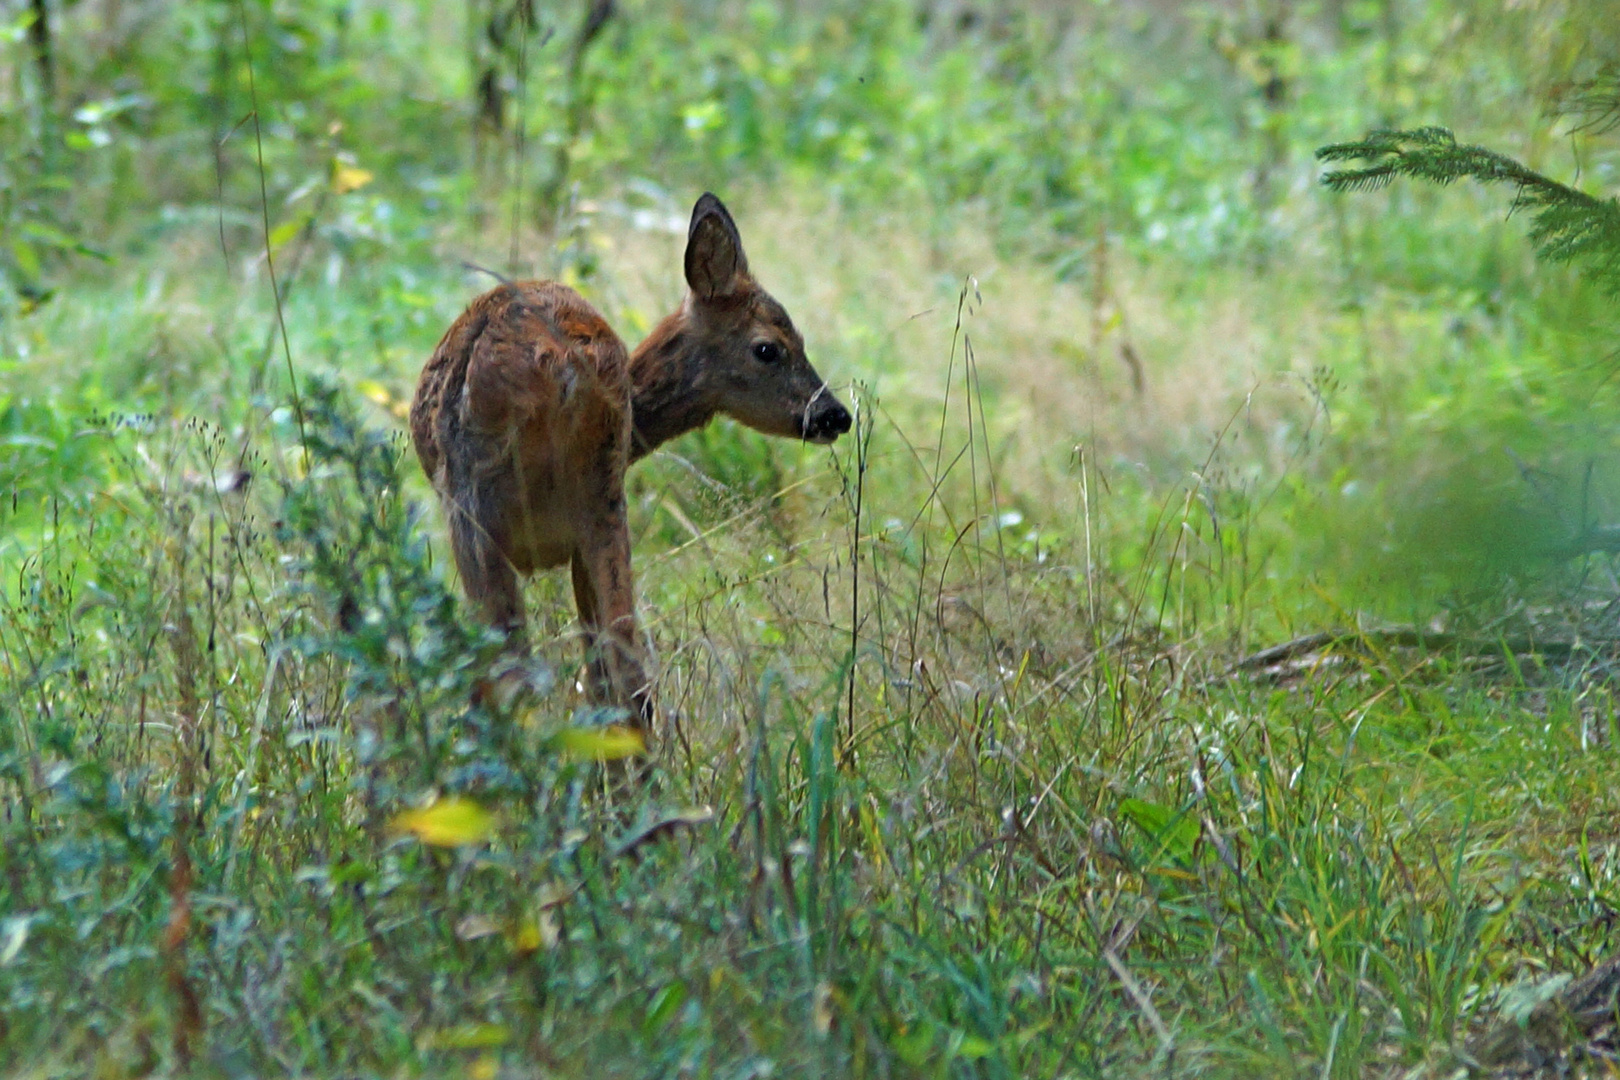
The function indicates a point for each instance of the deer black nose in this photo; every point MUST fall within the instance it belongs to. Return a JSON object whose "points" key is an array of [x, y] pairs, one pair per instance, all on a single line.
{"points": [[828, 422]]}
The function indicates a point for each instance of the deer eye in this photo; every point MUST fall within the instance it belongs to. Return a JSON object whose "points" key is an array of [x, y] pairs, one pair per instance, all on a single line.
{"points": [[767, 352]]}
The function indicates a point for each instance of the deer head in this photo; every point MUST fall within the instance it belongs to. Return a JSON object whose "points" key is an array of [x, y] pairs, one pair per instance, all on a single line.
{"points": [[731, 348]]}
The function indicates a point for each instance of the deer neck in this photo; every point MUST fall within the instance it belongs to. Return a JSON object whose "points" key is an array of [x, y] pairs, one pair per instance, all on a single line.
{"points": [[668, 395]]}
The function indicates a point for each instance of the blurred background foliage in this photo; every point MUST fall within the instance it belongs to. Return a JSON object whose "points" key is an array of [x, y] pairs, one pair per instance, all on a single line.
{"points": [[1114, 145], [1138, 396]]}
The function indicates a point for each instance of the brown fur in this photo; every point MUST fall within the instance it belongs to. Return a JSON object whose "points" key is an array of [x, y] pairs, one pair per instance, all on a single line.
{"points": [[530, 410]]}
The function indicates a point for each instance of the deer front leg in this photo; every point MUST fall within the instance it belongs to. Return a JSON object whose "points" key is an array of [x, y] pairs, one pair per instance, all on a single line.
{"points": [[605, 593]]}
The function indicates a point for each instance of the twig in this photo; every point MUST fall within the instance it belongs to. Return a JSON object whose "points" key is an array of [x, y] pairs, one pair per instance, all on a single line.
{"points": [[264, 214], [496, 274], [1167, 1041], [863, 441], [597, 15]]}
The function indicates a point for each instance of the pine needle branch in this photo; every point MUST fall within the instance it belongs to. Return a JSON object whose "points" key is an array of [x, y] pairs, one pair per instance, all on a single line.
{"points": [[1569, 225], [1596, 99]]}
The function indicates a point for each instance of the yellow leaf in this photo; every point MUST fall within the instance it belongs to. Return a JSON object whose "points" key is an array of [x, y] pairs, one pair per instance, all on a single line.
{"points": [[527, 938], [487, 1067], [374, 391], [601, 744], [535, 932], [449, 822], [347, 178], [466, 1037]]}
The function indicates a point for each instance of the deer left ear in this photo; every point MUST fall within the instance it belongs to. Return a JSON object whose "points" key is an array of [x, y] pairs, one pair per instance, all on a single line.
{"points": [[715, 263]]}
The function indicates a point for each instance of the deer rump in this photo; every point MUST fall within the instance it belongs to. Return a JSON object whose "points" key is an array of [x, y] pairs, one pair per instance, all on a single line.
{"points": [[531, 430]]}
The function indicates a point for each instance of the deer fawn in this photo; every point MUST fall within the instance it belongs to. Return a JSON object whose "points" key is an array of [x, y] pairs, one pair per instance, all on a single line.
{"points": [[530, 410]]}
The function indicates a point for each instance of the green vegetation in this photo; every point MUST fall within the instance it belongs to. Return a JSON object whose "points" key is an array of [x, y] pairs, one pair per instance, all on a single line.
{"points": [[965, 773]]}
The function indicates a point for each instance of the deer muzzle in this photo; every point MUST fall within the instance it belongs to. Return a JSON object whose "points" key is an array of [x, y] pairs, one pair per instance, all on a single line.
{"points": [[825, 419]]}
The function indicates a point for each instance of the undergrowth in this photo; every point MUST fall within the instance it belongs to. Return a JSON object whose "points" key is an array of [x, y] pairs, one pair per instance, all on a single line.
{"points": [[930, 800]]}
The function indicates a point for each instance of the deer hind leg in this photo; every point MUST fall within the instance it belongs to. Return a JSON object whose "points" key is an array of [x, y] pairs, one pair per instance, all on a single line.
{"points": [[487, 574], [605, 593], [491, 583], [598, 680]]}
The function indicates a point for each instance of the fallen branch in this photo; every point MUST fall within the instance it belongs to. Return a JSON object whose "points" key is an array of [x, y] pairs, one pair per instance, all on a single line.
{"points": [[1406, 637], [1592, 540], [1583, 1012]]}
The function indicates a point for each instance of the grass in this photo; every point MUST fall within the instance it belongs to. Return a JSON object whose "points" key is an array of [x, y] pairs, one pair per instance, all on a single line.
{"points": [[1058, 842], [958, 780]]}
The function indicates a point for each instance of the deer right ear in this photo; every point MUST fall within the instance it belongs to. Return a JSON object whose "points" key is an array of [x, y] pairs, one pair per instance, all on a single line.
{"points": [[714, 253]]}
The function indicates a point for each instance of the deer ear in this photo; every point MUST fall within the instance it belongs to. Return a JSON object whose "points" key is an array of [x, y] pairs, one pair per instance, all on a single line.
{"points": [[715, 263]]}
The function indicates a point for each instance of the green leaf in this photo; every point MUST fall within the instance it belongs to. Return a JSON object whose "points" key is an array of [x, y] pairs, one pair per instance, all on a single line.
{"points": [[914, 1046], [601, 744], [49, 235], [468, 1037], [1175, 832], [26, 258], [663, 1007], [287, 230], [971, 1047]]}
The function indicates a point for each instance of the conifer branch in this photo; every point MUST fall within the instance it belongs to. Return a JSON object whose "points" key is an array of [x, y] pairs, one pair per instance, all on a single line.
{"points": [[1597, 99], [1568, 226]]}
